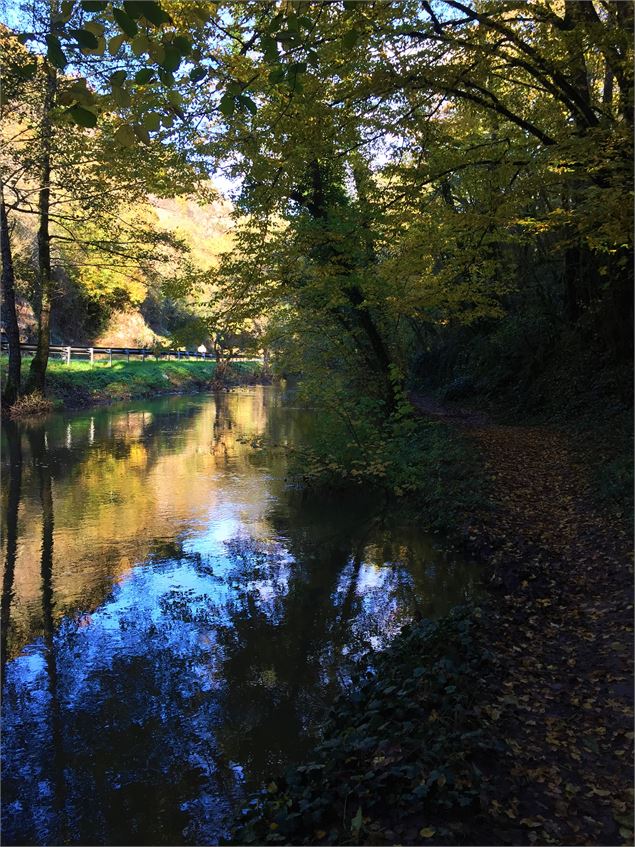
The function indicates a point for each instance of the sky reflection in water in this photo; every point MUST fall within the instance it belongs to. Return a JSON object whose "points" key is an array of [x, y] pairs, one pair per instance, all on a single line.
{"points": [[175, 617]]}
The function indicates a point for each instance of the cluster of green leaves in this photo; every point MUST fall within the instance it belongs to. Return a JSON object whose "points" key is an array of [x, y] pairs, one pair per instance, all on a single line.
{"points": [[399, 757], [427, 465]]}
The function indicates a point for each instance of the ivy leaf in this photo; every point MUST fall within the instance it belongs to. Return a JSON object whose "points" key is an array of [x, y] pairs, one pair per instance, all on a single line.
{"points": [[54, 53], [81, 116], [84, 38], [125, 23], [94, 5]]}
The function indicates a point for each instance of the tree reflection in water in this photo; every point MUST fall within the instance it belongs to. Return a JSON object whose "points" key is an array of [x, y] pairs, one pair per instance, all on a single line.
{"points": [[142, 716]]}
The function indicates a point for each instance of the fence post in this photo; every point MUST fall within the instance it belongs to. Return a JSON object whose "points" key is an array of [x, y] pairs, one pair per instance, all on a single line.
{"points": [[143, 354], [110, 356], [68, 355], [91, 353]]}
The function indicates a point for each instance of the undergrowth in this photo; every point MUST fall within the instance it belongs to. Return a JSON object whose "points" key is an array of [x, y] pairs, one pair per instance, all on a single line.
{"points": [[399, 757], [426, 467]]}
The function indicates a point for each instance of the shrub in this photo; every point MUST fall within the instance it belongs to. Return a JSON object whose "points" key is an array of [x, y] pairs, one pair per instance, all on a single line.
{"points": [[30, 405]]}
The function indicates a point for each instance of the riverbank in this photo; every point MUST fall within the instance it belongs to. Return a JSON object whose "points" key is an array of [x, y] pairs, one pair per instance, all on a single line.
{"points": [[81, 384], [506, 724]]}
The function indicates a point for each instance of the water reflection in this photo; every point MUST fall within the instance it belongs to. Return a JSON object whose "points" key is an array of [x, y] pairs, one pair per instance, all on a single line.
{"points": [[175, 617]]}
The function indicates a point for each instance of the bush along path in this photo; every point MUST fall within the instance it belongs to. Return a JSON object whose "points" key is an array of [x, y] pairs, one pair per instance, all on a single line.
{"points": [[511, 723]]}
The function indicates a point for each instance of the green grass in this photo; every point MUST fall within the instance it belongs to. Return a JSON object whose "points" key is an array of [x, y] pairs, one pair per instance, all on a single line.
{"points": [[81, 383]]}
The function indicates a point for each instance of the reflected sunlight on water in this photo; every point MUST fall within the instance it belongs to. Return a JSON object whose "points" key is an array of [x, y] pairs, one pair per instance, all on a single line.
{"points": [[175, 618]]}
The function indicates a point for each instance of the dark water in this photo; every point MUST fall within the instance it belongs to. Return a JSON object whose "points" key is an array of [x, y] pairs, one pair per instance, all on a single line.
{"points": [[175, 617]]}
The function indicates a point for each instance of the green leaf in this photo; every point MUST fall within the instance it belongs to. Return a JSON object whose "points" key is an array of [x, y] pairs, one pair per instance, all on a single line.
{"points": [[167, 120], [118, 78], [66, 11], [350, 39], [142, 133], [166, 77], [297, 68], [248, 103], [115, 43], [277, 75], [94, 5], [125, 23], [227, 105], [172, 59], [174, 98], [182, 44], [152, 121], [125, 136], [197, 74], [54, 52], [121, 96], [96, 28], [269, 47], [133, 8], [82, 117], [84, 38], [234, 87], [157, 52], [23, 37], [27, 71], [356, 822], [154, 13], [140, 44], [144, 76]]}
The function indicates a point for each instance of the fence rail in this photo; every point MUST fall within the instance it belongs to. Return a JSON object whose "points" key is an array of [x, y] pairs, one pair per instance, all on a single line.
{"points": [[67, 353]]}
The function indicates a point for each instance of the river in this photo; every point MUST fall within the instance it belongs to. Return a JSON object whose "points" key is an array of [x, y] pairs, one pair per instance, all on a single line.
{"points": [[176, 615]]}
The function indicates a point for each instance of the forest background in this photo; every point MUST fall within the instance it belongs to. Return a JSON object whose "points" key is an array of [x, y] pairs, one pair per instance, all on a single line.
{"points": [[430, 195]]}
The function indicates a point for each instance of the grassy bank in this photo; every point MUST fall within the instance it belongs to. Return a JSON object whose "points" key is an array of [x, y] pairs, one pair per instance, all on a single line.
{"points": [[82, 384]]}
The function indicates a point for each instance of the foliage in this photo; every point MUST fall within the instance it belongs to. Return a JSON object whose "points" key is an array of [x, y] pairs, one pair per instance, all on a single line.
{"points": [[82, 384], [398, 760]]}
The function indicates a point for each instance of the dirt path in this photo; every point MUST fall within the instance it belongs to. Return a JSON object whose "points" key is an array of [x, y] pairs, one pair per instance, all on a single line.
{"points": [[563, 637]]}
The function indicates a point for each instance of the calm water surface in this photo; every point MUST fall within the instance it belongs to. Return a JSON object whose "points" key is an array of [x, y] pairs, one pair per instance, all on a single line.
{"points": [[175, 616]]}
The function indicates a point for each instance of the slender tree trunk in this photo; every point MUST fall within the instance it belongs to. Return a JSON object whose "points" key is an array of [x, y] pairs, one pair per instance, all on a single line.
{"points": [[37, 373], [12, 388], [13, 504]]}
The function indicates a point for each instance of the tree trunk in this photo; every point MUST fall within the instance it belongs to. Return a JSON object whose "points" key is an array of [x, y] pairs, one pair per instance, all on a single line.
{"points": [[12, 388], [37, 373]]}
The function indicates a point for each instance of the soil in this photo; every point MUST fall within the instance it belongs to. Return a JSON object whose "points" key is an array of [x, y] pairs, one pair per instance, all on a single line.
{"points": [[562, 634]]}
